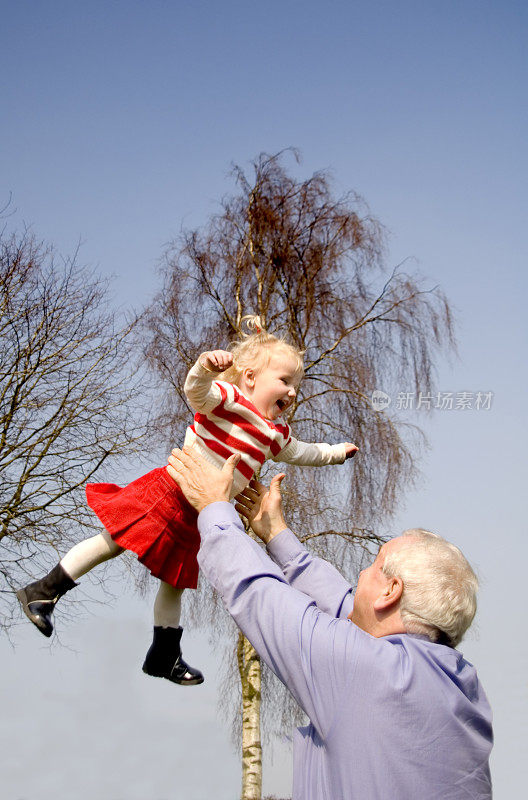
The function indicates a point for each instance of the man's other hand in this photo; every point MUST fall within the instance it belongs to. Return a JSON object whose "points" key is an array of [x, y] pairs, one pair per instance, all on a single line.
{"points": [[262, 507]]}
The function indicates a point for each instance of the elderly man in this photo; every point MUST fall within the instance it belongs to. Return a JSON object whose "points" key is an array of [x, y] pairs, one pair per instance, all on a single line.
{"points": [[396, 713]]}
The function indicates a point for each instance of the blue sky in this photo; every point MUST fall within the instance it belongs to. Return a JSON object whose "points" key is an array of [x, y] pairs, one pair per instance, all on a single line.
{"points": [[120, 122]]}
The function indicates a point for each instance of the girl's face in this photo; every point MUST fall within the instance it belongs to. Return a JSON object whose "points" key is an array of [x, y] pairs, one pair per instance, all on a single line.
{"points": [[273, 389]]}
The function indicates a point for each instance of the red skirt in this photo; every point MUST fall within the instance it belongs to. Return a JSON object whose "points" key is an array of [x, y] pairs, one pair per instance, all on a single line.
{"points": [[152, 518]]}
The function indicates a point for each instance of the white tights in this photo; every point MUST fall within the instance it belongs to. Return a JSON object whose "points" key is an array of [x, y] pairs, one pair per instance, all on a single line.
{"points": [[89, 553]]}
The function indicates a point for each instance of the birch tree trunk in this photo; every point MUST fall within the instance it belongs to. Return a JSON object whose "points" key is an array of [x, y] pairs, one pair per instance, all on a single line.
{"points": [[249, 669]]}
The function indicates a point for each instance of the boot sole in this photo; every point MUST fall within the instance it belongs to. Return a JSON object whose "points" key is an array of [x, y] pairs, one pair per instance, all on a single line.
{"points": [[194, 682], [22, 597]]}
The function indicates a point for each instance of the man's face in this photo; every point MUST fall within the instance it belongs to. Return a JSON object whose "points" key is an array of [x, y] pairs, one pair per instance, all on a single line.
{"points": [[372, 584]]}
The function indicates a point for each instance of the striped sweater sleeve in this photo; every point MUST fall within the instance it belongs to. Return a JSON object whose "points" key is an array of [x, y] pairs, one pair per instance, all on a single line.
{"points": [[200, 390]]}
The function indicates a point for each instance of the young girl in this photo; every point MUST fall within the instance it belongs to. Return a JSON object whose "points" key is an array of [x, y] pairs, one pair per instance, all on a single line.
{"points": [[239, 397]]}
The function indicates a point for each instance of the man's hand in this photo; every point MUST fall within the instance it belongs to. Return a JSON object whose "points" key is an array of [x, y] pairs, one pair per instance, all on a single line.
{"points": [[216, 360], [350, 450], [201, 482], [262, 507]]}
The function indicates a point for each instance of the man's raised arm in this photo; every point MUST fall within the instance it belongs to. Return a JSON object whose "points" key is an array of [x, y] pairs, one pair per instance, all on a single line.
{"points": [[307, 649], [262, 507]]}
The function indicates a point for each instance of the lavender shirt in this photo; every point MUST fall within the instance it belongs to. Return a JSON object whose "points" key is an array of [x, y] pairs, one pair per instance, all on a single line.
{"points": [[395, 717]]}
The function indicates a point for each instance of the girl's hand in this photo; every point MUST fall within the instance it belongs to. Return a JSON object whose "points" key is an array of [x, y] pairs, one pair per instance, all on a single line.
{"points": [[262, 507], [216, 360], [350, 449]]}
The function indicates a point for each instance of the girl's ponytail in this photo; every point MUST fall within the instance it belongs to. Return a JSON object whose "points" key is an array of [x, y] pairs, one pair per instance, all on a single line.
{"points": [[253, 324]]}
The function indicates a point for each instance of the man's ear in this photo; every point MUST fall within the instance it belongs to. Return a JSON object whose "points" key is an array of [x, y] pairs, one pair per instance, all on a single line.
{"points": [[390, 596]]}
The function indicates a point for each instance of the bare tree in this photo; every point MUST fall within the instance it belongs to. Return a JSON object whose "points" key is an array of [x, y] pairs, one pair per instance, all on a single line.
{"points": [[68, 404], [312, 267]]}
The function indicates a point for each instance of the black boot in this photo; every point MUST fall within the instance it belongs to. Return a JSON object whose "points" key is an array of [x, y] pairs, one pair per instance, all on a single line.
{"points": [[38, 599], [164, 658]]}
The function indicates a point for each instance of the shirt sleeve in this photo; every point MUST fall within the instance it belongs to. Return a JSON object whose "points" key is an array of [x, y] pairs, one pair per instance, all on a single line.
{"points": [[311, 454], [311, 652], [200, 390], [312, 575]]}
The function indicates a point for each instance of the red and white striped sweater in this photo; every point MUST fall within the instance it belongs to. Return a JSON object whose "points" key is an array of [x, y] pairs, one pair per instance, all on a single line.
{"points": [[226, 422]]}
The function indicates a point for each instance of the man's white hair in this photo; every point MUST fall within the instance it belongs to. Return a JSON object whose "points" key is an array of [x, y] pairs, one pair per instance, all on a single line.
{"points": [[439, 597]]}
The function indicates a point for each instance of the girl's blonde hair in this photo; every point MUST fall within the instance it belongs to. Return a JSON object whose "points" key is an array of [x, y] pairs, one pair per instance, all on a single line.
{"points": [[255, 350]]}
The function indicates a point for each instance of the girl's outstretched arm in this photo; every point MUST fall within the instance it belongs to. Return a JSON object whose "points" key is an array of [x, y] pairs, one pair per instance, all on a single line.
{"points": [[315, 454]]}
